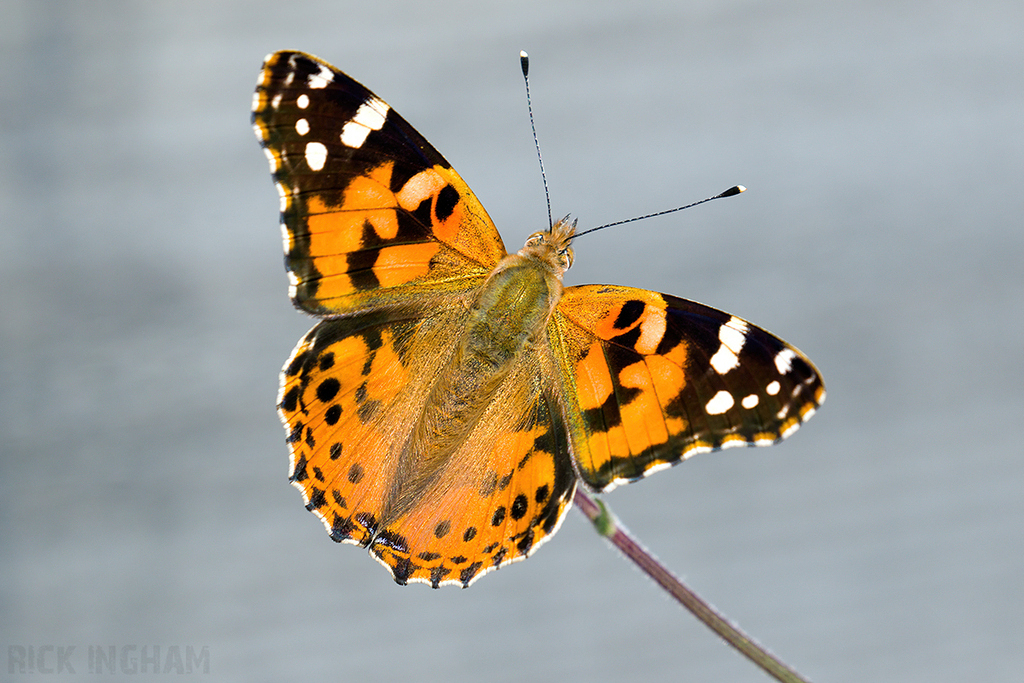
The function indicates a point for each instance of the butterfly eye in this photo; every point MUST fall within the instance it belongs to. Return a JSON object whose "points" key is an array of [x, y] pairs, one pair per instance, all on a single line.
{"points": [[566, 256], [535, 239]]}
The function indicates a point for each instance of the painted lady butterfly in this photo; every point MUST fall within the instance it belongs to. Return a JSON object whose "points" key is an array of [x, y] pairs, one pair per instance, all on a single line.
{"points": [[451, 396]]}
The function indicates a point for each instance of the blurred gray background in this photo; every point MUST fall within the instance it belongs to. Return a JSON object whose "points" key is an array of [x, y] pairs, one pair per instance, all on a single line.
{"points": [[145, 317]]}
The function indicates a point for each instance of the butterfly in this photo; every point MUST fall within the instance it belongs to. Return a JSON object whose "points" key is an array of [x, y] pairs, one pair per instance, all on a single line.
{"points": [[452, 396]]}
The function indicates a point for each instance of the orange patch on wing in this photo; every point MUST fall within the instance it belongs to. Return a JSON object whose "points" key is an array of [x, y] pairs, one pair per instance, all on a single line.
{"points": [[667, 374], [641, 417], [593, 379], [605, 328], [668, 380], [605, 445], [387, 376], [373, 191], [448, 230], [404, 263]]}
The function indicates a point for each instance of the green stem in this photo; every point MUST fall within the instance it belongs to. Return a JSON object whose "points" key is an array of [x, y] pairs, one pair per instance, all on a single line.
{"points": [[609, 526]]}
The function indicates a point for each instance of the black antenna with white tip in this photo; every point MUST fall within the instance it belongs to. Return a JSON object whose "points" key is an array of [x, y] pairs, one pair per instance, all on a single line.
{"points": [[731, 192], [524, 61]]}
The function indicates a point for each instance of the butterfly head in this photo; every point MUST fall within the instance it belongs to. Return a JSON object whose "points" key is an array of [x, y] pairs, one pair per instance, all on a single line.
{"points": [[552, 246]]}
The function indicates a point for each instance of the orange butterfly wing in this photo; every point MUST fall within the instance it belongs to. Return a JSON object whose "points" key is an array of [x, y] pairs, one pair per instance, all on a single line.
{"points": [[350, 397], [650, 379], [370, 211]]}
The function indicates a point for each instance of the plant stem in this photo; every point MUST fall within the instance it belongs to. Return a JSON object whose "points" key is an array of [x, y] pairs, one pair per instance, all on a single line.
{"points": [[609, 526]]}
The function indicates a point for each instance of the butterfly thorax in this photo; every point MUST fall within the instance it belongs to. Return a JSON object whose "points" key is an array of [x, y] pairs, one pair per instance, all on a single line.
{"points": [[507, 318]]}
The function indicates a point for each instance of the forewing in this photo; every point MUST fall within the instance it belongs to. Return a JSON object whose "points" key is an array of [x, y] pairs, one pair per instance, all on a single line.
{"points": [[371, 213], [650, 379]]}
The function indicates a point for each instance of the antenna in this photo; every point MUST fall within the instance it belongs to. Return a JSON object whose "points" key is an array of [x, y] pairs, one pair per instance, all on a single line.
{"points": [[731, 192], [524, 62]]}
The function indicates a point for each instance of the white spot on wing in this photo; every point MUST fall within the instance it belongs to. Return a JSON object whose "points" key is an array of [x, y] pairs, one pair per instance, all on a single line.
{"points": [[652, 329], [302, 101], [750, 401], [772, 388], [784, 360], [316, 155], [658, 467], [302, 126], [275, 101], [719, 403], [321, 79], [271, 159], [724, 360], [694, 450], [789, 430], [264, 74], [732, 334], [369, 117]]}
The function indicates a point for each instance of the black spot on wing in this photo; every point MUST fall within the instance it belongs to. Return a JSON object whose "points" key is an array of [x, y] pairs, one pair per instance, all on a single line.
{"points": [[300, 474], [467, 574], [290, 401], [402, 569], [342, 528], [359, 264], [541, 494], [327, 389], [297, 363], [447, 199], [519, 507], [629, 314], [317, 499], [526, 542], [437, 575]]}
